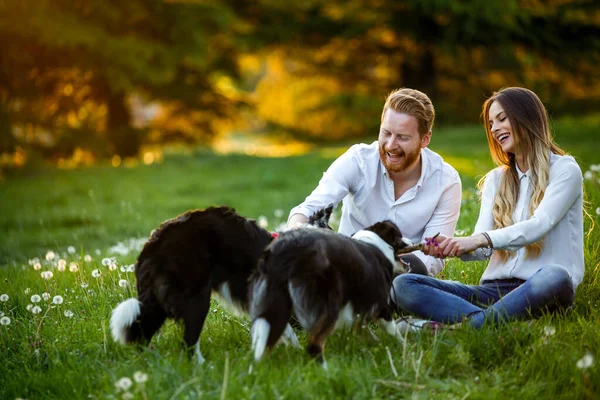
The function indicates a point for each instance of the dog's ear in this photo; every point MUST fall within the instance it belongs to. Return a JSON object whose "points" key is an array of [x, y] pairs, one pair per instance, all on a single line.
{"points": [[320, 219], [389, 232]]}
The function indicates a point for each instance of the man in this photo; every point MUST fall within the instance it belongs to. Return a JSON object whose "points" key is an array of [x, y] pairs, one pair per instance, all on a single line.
{"points": [[396, 178]]}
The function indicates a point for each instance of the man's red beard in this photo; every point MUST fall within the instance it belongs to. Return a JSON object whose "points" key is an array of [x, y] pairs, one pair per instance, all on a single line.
{"points": [[408, 159]]}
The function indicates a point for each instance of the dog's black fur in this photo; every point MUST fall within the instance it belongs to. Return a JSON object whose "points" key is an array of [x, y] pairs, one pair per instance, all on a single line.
{"points": [[185, 259], [315, 273]]}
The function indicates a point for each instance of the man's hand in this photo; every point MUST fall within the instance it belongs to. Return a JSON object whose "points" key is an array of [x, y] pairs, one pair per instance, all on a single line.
{"points": [[443, 247], [297, 221]]}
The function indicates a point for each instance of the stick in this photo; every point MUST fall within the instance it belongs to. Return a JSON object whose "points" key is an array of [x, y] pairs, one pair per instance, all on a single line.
{"points": [[414, 247]]}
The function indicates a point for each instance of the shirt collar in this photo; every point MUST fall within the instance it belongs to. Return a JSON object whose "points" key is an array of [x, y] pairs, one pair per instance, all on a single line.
{"points": [[521, 173]]}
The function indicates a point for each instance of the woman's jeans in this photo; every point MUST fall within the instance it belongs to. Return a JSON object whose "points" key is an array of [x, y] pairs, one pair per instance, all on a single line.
{"points": [[549, 289]]}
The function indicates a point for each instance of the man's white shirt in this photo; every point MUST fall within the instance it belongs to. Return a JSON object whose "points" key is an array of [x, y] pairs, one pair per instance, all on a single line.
{"points": [[360, 180], [558, 219]]}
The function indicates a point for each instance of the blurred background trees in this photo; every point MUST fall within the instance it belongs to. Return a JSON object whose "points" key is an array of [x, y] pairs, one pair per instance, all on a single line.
{"points": [[106, 77]]}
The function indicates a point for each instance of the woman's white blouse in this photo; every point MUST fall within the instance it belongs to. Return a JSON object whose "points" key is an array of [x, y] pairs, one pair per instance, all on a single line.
{"points": [[558, 218]]}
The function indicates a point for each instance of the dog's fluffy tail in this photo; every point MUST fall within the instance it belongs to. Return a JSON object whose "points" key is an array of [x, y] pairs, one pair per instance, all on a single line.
{"points": [[122, 319], [270, 310]]}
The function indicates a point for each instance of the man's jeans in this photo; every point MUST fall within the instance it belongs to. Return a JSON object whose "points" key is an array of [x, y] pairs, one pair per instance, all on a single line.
{"points": [[550, 288]]}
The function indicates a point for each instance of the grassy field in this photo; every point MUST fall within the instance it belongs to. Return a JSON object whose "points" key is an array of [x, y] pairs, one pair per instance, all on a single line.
{"points": [[57, 344]]}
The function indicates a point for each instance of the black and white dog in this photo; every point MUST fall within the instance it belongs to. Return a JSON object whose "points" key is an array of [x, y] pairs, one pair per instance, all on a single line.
{"points": [[325, 279], [185, 260]]}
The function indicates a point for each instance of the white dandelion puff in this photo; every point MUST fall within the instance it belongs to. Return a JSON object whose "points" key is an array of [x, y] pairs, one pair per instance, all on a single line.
{"points": [[87, 258], [595, 167], [549, 330], [279, 213], [586, 361], [124, 268], [62, 265], [45, 295], [140, 377], [71, 250], [131, 268], [57, 300], [84, 285], [96, 273], [50, 255], [29, 307], [73, 267], [588, 175], [263, 222], [123, 283], [68, 313], [36, 298], [34, 260], [2, 314], [106, 262], [4, 297], [37, 266], [36, 309], [27, 291], [113, 266], [123, 383], [127, 396], [4, 321], [47, 274], [598, 210]]}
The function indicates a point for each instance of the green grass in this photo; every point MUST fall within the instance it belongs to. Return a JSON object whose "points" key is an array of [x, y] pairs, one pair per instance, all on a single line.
{"points": [[52, 356]]}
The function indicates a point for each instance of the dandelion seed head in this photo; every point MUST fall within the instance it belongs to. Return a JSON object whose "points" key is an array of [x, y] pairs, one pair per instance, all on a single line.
{"points": [[4, 321], [2, 314], [34, 260], [123, 383], [27, 291], [595, 167], [37, 266], [47, 274], [279, 213], [50, 255], [586, 361], [124, 268], [87, 258], [73, 267], [112, 266], [123, 283], [263, 222], [131, 268], [29, 307], [106, 262], [36, 309], [127, 396], [61, 267], [84, 285], [588, 175], [598, 210], [68, 313], [549, 330], [71, 250], [4, 297], [96, 273], [45, 295], [62, 262], [57, 299], [35, 298], [140, 377]]}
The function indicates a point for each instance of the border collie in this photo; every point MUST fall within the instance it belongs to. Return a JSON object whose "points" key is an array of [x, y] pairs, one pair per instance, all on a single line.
{"points": [[186, 258], [326, 280]]}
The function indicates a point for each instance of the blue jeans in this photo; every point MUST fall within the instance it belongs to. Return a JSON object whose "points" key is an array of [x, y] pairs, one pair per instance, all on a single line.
{"points": [[550, 288]]}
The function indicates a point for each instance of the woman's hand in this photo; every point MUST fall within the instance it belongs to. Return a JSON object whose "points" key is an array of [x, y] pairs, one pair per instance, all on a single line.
{"points": [[442, 246]]}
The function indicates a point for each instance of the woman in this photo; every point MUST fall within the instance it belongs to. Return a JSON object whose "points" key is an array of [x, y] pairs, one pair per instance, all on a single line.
{"points": [[530, 223]]}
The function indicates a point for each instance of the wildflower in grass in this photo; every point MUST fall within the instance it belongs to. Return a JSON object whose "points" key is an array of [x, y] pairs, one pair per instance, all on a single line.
{"points": [[57, 299], [549, 330], [87, 258], [124, 268], [127, 396], [131, 268], [113, 266], [45, 295], [4, 297], [47, 274], [96, 273], [36, 309], [123, 283], [27, 290], [123, 384], [36, 298], [84, 285], [97, 251], [62, 265], [588, 175], [4, 321], [2, 314], [37, 266], [140, 377], [279, 213], [586, 361], [34, 260], [29, 307], [263, 222], [71, 250], [595, 167], [106, 262], [73, 267], [598, 210], [68, 313], [50, 255]]}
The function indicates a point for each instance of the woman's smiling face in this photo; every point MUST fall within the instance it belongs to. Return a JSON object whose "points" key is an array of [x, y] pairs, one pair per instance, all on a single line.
{"points": [[501, 128]]}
